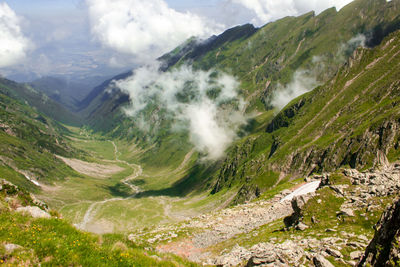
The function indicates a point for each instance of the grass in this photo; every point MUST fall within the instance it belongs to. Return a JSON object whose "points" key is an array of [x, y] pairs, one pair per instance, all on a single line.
{"points": [[162, 201], [54, 242]]}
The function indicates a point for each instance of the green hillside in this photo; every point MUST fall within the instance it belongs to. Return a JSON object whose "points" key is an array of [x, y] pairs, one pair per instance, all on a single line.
{"points": [[30, 241], [142, 183], [264, 60], [29, 142], [350, 121], [274, 52], [26, 94]]}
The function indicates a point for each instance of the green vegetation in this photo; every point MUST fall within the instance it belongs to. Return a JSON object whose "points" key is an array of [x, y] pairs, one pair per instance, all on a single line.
{"points": [[28, 142], [50, 242], [343, 122], [351, 119], [307, 136]]}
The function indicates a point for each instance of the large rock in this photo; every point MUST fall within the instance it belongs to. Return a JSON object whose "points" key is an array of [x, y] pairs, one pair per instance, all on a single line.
{"points": [[320, 261], [335, 253], [35, 212], [10, 248], [297, 203], [347, 212], [384, 248]]}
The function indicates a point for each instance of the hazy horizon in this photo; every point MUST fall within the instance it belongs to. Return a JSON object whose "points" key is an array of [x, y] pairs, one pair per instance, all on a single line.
{"points": [[85, 39]]}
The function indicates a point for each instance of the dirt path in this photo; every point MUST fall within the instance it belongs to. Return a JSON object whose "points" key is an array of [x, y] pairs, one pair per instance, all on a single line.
{"points": [[138, 170], [95, 206], [219, 226], [185, 161], [91, 212], [223, 225]]}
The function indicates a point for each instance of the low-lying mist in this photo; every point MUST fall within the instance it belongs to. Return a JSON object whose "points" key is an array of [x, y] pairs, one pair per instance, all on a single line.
{"points": [[206, 104]]}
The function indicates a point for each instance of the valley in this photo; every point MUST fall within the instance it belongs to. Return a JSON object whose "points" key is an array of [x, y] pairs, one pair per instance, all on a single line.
{"points": [[276, 145], [118, 196]]}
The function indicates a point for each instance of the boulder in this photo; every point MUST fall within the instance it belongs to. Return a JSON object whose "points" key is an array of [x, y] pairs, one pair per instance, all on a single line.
{"points": [[35, 212], [320, 261], [297, 203], [347, 212], [356, 255], [257, 261], [335, 253], [301, 226]]}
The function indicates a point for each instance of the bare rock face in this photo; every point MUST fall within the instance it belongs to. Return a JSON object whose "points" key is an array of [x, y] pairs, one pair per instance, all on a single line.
{"points": [[384, 248]]}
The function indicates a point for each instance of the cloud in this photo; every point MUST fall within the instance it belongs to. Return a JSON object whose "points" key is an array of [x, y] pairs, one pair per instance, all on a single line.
{"points": [[302, 83], [145, 29], [306, 80], [269, 10], [206, 104], [13, 45]]}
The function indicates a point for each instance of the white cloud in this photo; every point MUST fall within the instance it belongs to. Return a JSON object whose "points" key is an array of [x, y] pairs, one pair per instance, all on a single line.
{"points": [[195, 100], [306, 80], [13, 44], [302, 83], [145, 29], [269, 10]]}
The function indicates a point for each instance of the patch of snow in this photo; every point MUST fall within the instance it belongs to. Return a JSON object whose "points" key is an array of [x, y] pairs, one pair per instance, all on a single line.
{"points": [[32, 181], [303, 190]]}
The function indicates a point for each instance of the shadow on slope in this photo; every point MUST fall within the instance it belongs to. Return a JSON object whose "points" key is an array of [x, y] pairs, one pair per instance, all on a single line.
{"points": [[199, 178]]}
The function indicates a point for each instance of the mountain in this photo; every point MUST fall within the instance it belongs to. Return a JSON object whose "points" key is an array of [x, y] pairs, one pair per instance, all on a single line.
{"points": [[312, 170], [352, 120], [29, 140], [282, 48], [27, 94], [266, 61], [61, 91]]}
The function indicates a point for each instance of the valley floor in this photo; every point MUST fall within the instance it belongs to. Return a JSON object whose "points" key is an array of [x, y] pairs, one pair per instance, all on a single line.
{"points": [[111, 196]]}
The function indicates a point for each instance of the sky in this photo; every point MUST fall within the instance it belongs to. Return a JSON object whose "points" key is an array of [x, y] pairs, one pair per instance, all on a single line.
{"points": [[88, 39]]}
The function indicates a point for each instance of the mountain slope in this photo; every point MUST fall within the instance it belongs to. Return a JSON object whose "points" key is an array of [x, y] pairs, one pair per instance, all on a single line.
{"points": [[40, 101], [271, 55], [29, 140], [35, 238], [352, 120], [62, 91], [264, 58]]}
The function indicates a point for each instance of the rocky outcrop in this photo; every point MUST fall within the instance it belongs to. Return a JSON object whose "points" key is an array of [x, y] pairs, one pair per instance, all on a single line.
{"points": [[23, 202], [297, 203], [357, 151], [284, 117], [35, 212], [384, 249], [229, 173]]}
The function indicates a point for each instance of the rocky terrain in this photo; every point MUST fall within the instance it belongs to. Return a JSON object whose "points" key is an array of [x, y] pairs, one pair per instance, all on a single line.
{"points": [[384, 247], [304, 240]]}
